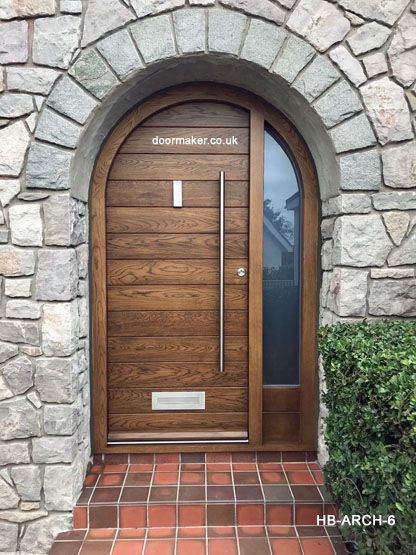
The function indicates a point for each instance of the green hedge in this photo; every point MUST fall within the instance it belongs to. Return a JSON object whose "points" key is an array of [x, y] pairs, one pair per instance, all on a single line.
{"points": [[370, 372]]}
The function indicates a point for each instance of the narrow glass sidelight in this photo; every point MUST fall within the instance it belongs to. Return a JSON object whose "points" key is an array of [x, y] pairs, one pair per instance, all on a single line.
{"points": [[281, 266]]}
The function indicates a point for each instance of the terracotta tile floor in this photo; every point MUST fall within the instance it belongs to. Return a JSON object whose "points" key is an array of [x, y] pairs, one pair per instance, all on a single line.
{"points": [[221, 504]]}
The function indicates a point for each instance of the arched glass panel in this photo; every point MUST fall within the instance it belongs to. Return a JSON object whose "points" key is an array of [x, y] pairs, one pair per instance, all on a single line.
{"points": [[281, 246]]}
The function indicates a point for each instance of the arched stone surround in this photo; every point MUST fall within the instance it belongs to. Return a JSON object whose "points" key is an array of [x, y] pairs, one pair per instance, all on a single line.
{"points": [[351, 120]]}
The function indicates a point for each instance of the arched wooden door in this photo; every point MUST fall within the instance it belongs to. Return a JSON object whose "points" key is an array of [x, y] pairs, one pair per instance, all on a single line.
{"points": [[178, 213]]}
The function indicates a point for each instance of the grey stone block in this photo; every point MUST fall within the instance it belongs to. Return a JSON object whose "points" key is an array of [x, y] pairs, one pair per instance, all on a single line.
{"points": [[16, 262], [316, 78], [347, 292], [262, 43], [397, 224], [121, 54], [260, 8], [37, 80], [348, 65], [399, 166], [9, 188], [27, 481], [60, 329], [93, 74], [400, 200], [152, 7], [26, 225], [7, 351], [18, 374], [353, 134], [23, 309], [405, 253], [102, 16], [144, 33], [62, 485], [17, 287], [190, 30], [29, 8], [339, 103], [361, 170], [56, 129], [56, 379], [57, 276], [47, 167], [8, 536], [19, 331], [55, 40], [8, 497], [19, 420], [14, 141], [15, 104], [14, 452], [69, 99], [368, 37], [225, 31], [40, 534], [295, 55], [392, 297], [387, 11], [51, 449], [13, 42], [64, 225], [61, 420]]}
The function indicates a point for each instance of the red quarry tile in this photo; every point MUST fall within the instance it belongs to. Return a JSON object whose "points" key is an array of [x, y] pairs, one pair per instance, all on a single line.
{"points": [[273, 477], [132, 517], [191, 493], [281, 531], [191, 515], [190, 547], [80, 517], [134, 494], [331, 509], [222, 546], [115, 468], [220, 515], [269, 456], [90, 480], [142, 458], [270, 466], [253, 546], [96, 548], [161, 515], [219, 478], [85, 496], [165, 478], [191, 532], [163, 458], [299, 477], [96, 469], [103, 516], [311, 531], [218, 457], [193, 467], [128, 547], [110, 480], [116, 458], [306, 514], [295, 466], [248, 493], [141, 468], [65, 548], [71, 535], [220, 493], [245, 478], [244, 457], [285, 546], [219, 467], [250, 515], [221, 532], [105, 495], [316, 546], [251, 531], [101, 534], [245, 467], [159, 547], [163, 493], [167, 467], [131, 533], [318, 477], [306, 494], [278, 515], [192, 478], [293, 456], [192, 458], [155, 533], [137, 478], [314, 465]]}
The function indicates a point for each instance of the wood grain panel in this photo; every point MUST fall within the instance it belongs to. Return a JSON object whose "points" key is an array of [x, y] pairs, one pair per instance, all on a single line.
{"points": [[180, 422], [139, 401], [192, 140], [166, 272], [281, 426], [282, 399], [168, 375], [179, 166], [171, 297], [175, 322], [159, 193], [200, 114], [174, 220], [169, 349], [171, 246]]}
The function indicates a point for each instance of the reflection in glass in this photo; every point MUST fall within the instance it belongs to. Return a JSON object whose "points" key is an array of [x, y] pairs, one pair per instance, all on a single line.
{"points": [[281, 227]]}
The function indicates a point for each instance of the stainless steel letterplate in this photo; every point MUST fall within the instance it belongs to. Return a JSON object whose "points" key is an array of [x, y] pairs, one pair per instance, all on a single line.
{"points": [[177, 194]]}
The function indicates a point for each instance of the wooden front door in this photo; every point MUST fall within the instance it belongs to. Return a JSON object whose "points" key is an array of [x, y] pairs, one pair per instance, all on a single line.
{"points": [[177, 318]]}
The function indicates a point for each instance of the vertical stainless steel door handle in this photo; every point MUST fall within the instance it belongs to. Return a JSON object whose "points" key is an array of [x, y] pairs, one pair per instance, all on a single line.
{"points": [[221, 273]]}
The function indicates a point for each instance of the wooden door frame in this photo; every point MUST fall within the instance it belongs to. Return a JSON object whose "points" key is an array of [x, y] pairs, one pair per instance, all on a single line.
{"points": [[260, 112]]}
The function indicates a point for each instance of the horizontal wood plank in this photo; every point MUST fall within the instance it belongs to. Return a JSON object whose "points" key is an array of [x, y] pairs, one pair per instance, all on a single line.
{"points": [[175, 322], [168, 375], [179, 166], [200, 114], [178, 272], [139, 401], [170, 349], [171, 297], [174, 220], [178, 421], [192, 140], [159, 193], [172, 246]]}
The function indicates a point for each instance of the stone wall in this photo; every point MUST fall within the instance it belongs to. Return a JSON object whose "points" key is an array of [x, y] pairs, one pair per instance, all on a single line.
{"points": [[343, 71]]}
